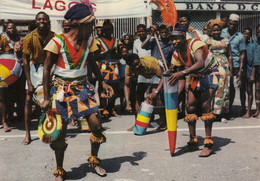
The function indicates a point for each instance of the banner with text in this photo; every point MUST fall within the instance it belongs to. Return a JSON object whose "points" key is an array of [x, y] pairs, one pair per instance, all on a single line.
{"points": [[216, 6], [27, 9]]}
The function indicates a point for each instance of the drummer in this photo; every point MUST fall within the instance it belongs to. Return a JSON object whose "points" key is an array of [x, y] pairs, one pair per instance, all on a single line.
{"points": [[4, 48], [148, 67], [193, 60], [33, 59]]}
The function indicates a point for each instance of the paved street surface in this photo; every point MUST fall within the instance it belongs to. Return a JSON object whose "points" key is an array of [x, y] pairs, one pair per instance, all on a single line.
{"points": [[128, 157]]}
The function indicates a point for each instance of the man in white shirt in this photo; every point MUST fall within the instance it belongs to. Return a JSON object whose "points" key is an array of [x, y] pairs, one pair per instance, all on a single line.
{"points": [[191, 31]]}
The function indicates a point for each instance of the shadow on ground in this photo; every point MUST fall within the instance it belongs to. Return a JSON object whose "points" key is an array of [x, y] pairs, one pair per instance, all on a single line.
{"points": [[111, 165], [218, 144]]}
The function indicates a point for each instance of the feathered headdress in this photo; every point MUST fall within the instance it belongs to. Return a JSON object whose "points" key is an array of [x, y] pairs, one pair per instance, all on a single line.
{"points": [[168, 11], [90, 5]]}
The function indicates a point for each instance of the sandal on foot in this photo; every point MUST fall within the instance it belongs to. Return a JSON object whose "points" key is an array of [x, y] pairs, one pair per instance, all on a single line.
{"points": [[100, 171], [208, 146], [59, 172], [192, 145], [94, 162]]}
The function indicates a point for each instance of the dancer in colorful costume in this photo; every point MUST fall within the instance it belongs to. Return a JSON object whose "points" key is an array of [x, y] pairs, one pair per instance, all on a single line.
{"points": [[192, 58], [109, 66], [71, 93]]}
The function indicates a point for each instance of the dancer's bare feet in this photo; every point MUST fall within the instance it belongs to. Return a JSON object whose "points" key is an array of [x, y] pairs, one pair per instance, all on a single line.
{"points": [[27, 140], [256, 114], [100, 171], [6, 128], [131, 128], [247, 115]]}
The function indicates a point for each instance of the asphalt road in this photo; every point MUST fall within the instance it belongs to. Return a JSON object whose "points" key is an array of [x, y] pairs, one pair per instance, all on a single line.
{"points": [[128, 157]]}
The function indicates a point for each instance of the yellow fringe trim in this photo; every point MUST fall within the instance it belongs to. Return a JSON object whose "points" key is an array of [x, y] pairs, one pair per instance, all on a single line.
{"points": [[59, 171], [208, 141], [94, 139], [208, 116], [93, 161], [190, 118]]}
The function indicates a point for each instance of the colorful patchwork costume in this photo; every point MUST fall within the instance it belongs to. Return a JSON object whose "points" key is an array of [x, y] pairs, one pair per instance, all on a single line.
{"points": [[205, 78], [72, 95], [110, 71], [70, 76], [109, 67], [201, 80]]}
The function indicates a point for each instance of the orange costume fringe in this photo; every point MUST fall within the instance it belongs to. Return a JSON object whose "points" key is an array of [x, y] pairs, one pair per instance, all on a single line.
{"points": [[59, 172], [97, 139], [93, 161], [208, 142], [190, 118], [208, 116]]}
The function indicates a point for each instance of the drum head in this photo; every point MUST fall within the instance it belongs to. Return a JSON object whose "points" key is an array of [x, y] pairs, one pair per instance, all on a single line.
{"points": [[50, 126]]}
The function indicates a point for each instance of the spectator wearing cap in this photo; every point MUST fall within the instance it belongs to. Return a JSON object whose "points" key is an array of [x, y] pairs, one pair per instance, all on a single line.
{"points": [[238, 50]]}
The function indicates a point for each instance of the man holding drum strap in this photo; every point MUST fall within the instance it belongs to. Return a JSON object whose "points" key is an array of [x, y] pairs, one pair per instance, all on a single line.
{"points": [[148, 67]]}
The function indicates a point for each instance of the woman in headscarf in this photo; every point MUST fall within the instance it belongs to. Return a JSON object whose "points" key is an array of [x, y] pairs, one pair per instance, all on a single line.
{"points": [[221, 51]]}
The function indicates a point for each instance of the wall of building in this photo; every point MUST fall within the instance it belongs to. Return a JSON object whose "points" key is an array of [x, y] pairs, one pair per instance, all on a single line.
{"points": [[200, 15], [198, 18]]}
